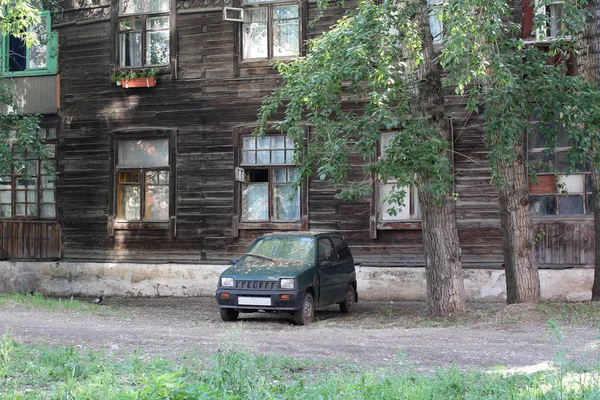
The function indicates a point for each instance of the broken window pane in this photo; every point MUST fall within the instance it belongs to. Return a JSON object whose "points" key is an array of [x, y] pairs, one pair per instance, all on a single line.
{"points": [[543, 205], [255, 202]]}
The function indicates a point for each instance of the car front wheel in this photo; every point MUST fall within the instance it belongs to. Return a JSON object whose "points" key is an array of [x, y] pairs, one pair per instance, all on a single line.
{"points": [[346, 305], [306, 313], [228, 314]]}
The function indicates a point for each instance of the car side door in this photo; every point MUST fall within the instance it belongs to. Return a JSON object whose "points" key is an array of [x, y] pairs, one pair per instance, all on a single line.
{"points": [[328, 264], [346, 271]]}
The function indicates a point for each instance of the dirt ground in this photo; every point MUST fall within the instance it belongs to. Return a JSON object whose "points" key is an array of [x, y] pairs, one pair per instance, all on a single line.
{"points": [[375, 334]]}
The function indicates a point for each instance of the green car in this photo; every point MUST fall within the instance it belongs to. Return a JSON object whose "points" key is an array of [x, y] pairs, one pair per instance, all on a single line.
{"points": [[291, 272]]}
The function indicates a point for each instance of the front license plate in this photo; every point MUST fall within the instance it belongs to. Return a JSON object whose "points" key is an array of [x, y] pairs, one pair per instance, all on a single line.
{"points": [[254, 301]]}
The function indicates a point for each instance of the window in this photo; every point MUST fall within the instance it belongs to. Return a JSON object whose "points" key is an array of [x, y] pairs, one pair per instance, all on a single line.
{"points": [[144, 33], [554, 14], [270, 29], [555, 192], [31, 193], [268, 193], [436, 26], [39, 59], [326, 251], [341, 248], [410, 210], [553, 10], [143, 180]]}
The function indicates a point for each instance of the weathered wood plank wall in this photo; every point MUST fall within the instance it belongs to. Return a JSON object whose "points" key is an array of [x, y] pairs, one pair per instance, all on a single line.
{"points": [[213, 93]]}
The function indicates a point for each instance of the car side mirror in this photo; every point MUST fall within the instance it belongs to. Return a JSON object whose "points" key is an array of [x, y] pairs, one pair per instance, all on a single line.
{"points": [[233, 261], [323, 263]]}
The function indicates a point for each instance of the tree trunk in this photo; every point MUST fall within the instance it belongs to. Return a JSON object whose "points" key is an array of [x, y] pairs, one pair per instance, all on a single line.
{"points": [[520, 264], [590, 68], [443, 264]]}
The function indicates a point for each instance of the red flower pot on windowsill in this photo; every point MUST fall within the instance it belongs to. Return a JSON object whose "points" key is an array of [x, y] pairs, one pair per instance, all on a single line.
{"points": [[139, 82]]}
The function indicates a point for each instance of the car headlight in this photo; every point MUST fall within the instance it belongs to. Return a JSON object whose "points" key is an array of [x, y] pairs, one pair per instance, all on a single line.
{"points": [[227, 282], [286, 283]]}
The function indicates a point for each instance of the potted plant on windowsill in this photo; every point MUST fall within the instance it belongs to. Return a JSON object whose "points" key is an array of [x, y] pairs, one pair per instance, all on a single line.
{"points": [[133, 79]]}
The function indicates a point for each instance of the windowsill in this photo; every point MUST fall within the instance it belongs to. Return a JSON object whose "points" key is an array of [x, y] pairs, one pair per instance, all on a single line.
{"points": [[545, 41], [28, 219], [262, 62], [276, 226], [141, 225], [162, 69], [563, 218], [397, 225], [27, 74]]}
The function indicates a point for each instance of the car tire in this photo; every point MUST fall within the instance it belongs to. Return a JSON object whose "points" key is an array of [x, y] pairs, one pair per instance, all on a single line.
{"points": [[229, 314], [306, 313], [346, 305]]}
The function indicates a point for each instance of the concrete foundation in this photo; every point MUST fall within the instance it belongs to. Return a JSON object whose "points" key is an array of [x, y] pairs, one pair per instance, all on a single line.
{"points": [[153, 280]]}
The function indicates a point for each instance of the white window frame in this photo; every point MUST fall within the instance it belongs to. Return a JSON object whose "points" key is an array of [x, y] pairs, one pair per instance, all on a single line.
{"points": [[411, 199], [541, 34]]}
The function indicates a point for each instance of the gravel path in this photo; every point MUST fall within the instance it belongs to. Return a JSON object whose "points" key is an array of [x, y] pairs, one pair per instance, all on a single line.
{"points": [[376, 333]]}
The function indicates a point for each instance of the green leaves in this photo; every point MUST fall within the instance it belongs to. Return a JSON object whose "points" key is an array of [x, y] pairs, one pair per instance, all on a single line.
{"points": [[357, 80]]}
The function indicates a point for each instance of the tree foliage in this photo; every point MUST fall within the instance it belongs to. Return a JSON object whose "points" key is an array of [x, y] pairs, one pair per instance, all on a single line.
{"points": [[17, 130], [359, 79], [512, 80]]}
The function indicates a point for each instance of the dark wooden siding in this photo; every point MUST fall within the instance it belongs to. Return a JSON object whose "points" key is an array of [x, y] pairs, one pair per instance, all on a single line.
{"points": [[29, 240], [212, 94]]}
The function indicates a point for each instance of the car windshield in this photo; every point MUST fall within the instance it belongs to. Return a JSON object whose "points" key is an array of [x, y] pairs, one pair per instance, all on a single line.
{"points": [[283, 248]]}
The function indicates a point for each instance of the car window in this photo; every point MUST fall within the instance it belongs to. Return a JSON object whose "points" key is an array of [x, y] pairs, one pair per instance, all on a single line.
{"points": [[285, 248], [326, 251], [341, 248]]}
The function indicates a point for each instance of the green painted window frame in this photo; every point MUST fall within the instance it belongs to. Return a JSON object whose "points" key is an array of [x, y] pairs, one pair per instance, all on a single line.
{"points": [[51, 67]]}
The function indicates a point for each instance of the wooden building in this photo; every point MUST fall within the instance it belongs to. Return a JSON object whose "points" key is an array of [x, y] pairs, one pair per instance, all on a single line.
{"points": [[170, 173]]}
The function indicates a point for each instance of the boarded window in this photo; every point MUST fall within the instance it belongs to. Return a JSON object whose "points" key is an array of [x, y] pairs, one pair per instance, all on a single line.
{"points": [[560, 187]]}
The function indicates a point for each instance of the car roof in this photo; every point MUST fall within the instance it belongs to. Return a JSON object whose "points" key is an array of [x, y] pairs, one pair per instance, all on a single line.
{"points": [[302, 233]]}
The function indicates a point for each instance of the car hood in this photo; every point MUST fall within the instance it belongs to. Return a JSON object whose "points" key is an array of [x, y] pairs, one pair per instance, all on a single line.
{"points": [[264, 270]]}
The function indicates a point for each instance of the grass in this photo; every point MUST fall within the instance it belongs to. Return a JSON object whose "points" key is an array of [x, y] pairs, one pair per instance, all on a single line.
{"points": [[586, 313], [54, 304], [42, 372]]}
